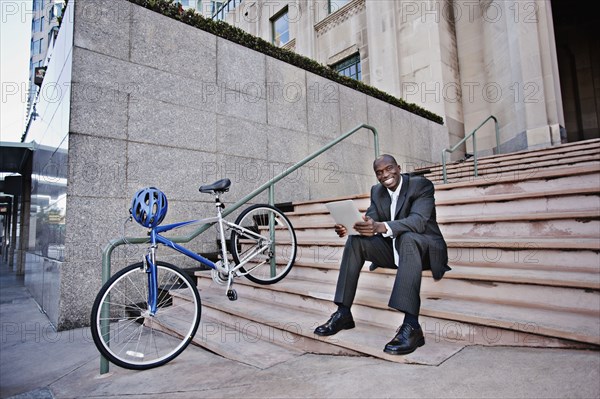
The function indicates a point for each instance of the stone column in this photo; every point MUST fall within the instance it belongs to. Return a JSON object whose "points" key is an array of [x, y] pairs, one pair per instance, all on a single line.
{"points": [[509, 71]]}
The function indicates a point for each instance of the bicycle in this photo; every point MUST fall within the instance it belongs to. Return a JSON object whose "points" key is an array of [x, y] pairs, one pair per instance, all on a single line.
{"points": [[146, 314]]}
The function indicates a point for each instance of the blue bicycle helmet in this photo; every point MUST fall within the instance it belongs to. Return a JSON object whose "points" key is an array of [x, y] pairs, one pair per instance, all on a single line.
{"points": [[149, 207]]}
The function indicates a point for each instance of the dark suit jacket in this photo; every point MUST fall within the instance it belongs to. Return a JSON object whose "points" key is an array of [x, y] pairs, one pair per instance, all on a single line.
{"points": [[415, 212]]}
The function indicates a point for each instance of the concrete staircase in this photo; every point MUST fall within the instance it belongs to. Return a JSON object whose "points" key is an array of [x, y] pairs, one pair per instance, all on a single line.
{"points": [[524, 244]]}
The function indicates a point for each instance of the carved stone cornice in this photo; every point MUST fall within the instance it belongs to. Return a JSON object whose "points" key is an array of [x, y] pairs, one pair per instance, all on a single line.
{"points": [[334, 19], [290, 45]]}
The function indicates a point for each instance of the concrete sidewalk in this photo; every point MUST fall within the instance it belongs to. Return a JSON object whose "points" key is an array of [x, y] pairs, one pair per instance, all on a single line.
{"points": [[38, 362]]}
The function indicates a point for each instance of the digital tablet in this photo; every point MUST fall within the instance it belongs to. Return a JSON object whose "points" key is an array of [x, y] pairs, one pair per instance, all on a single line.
{"points": [[345, 213]]}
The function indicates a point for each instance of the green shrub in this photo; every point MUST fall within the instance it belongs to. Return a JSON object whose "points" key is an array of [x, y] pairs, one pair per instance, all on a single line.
{"points": [[224, 30]]}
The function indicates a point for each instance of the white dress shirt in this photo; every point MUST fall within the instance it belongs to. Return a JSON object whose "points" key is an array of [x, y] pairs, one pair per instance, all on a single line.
{"points": [[389, 233]]}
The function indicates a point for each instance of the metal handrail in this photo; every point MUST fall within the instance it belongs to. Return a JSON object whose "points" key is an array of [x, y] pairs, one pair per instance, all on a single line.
{"points": [[472, 134], [270, 185]]}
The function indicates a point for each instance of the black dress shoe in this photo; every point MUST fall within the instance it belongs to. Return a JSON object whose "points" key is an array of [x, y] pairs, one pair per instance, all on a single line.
{"points": [[335, 324], [406, 341]]}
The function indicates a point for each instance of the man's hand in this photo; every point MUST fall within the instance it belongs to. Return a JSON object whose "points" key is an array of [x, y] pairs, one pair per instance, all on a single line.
{"points": [[340, 230], [369, 227]]}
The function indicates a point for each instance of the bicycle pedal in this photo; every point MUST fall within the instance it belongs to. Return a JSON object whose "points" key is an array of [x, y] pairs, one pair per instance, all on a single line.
{"points": [[232, 295]]}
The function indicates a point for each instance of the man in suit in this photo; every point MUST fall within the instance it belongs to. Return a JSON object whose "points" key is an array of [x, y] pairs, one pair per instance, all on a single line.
{"points": [[409, 241]]}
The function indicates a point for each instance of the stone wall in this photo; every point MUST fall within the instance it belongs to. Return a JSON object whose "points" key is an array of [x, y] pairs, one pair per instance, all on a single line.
{"points": [[161, 103]]}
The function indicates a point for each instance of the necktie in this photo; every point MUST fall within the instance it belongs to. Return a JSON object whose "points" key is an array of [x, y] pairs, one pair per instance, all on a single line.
{"points": [[393, 214]]}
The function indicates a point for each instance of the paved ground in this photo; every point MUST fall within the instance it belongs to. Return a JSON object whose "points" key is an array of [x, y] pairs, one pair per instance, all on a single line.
{"points": [[38, 362]]}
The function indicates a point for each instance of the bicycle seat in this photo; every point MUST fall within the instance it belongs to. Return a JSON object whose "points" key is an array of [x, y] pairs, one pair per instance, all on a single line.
{"points": [[219, 186]]}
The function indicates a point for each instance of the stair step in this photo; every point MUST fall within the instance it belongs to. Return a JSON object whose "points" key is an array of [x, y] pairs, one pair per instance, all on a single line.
{"points": [[525, 216], [539, 321], [552, 153], [543, 184], [538, 174], [245, 345], [543, 188], [500, 168], [522, 256], [558, 152], [496, 242], [494, 285], [297, 326], [485, 272], [537, 277], [581, 228], [546, 226], [549, 205], [525, 242], [308, 296], [326, 221]]}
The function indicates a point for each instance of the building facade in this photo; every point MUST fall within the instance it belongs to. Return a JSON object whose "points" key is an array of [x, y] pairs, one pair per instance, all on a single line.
{"points": [[140, 99], [44, 28], [532, 64]]}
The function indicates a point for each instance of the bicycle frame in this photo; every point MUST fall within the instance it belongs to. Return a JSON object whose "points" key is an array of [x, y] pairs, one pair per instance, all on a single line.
{"points": [[221, 266]]}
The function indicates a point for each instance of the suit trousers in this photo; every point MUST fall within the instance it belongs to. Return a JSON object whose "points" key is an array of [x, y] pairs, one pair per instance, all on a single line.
{"points": [[412, 251]]}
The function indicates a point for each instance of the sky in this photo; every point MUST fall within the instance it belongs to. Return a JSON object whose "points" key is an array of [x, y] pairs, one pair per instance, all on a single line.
{"points": [[15, 35]]}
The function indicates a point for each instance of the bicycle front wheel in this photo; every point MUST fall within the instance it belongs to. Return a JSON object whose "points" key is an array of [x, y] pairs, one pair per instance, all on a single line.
{"points": [[266, 244], [127, 334]]}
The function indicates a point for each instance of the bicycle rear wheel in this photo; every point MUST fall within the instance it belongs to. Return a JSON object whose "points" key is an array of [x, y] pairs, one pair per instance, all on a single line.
{"points": [[268, 244], [125, 332]]}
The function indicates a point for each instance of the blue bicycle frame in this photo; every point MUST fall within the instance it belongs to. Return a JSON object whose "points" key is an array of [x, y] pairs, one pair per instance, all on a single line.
{"points": [[156, 238]]}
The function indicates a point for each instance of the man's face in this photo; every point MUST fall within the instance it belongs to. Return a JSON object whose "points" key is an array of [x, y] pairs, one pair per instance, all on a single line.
{"points": [[388, 173]]}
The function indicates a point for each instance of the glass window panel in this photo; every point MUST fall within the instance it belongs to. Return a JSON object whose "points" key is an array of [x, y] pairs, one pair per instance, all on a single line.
{"points": [[214, 6], [349, 67], [335, 5], [281, 29]]}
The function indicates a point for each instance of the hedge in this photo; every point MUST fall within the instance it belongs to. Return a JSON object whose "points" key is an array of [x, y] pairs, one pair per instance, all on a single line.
{"points": [[224, 30]]}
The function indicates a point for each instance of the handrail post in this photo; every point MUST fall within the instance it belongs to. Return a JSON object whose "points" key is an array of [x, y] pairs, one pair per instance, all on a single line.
{"points": [[497, 128], [475, 155], [444, 166], [105, 312], [272, 194]]}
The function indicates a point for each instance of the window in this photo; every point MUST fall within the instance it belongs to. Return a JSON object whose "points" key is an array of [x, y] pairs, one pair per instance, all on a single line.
{"points": [[37, 24], [214, 6], [55, 11], [38, 5], [52, 34], [220, 9], [281, 28], [36, 47], [349, 67], [335, 5]]}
